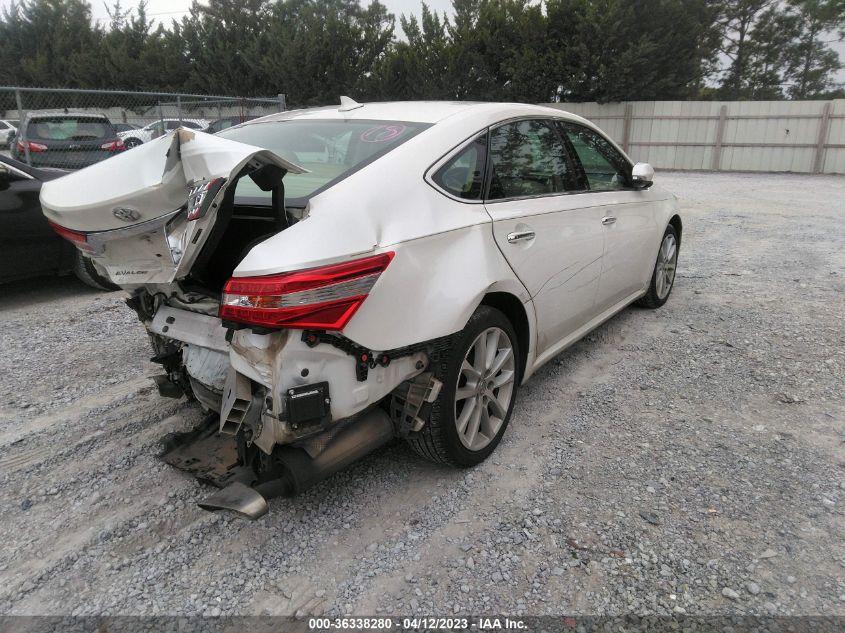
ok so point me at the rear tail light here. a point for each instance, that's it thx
(78, 239)
(113, 146)
(33, 147)
(200, 197)
(323, 298)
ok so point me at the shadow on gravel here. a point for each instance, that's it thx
(28, 292)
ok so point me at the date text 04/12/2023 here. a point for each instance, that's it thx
(479, 624)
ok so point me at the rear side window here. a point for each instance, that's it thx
(528, 158)
(329, 149)
(463, 175)
(605, 168)
(69, 129)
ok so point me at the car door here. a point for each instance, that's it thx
(549, 233)
(27, 244)
(628, 215)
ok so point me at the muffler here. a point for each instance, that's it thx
(294, 470)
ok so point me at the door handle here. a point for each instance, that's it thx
(520, 236)
(607, 221)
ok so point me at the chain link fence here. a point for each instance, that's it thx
(71, 129)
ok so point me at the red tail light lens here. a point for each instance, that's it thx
(113, 146)
(78, 239)
(200, 197)
(323, 298)
(33, 147)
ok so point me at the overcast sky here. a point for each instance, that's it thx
(166, 10)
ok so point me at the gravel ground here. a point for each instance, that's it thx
(686, 460)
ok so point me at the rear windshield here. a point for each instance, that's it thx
(330, 150)
(69, 129)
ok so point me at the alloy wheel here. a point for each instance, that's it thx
(667, 262)
(485, 388)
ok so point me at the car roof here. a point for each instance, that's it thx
(415, 111)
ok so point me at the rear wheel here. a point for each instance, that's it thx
(131, 142)
(85, 271)
(480, 375)
(663, 276)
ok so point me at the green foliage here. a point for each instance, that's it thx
(502, 50)
(780, 48)
(809, 60)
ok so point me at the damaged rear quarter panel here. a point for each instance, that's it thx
(445, 261)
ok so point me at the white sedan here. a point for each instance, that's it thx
(328, 279)
(7, 133)
(134, 138)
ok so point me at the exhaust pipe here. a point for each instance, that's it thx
(297, 471)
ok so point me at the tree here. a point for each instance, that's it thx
(765, 54)
(49, 42)
(737, 20)
(318, 50)
(809, 62)
(614, 50)
(496, 50)
(418, 68)
(223, 43)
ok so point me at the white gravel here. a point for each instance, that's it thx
(688, 460)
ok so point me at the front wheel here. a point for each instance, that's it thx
(131, 142)
(663, 277)
(480, 375)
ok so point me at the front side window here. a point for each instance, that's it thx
(528, 158)
(604, 167)
(463, 175)
(329, 149)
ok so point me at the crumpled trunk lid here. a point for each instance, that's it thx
(133, 207)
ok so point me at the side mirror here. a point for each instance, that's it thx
(642, 175)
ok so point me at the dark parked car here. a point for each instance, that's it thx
(227, 122)
(126, 127)
(28, 245)
(66, 141)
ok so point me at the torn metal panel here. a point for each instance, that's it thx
(152, 179)
(190, 327)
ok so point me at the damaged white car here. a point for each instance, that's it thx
(325, 280)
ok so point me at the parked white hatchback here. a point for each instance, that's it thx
(328, 279)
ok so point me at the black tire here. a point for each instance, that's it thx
(131, 142)
(438, 440)
(85, 271)
(652, 298)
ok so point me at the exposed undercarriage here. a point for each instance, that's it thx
(275, 426)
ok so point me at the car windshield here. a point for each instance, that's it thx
(68, 129)
(329, 149)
